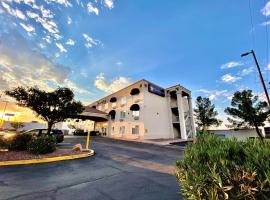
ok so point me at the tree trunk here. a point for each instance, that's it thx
(50, 124)
(259, 133)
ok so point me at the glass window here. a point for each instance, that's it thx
(122, 114)
(123, 100)
(135, 114)
(135, 130)
(122, 130)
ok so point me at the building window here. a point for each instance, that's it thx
(136, 114)
(122, 130)
(112, 114)
(267, 131)
(122, 114)
(123, 100)
(135, 130)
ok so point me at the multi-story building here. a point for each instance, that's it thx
(145, 110)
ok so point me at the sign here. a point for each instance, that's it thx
(156, 90)
(9, 114)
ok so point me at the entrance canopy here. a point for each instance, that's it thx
(92, 114)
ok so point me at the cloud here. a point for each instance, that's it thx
(25, 66)
(92, 9)
(268, 67)
(109, 3)
(28, 28)
(246, 71)
(215, 94)
(119, 63)
(61, 47)
(90, 41)
(228, 78)
(32, 14)
(69, 20)
(66, 3)
(113, 86)
(14, 12)
(266, 9)
(84, 73)
(231, 65)
(70, 42)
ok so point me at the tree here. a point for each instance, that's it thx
(16, 125)
(52, 107)
(205, 113)
(247, 111)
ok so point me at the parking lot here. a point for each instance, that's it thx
(119, 170)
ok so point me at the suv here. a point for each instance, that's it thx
(59, 135)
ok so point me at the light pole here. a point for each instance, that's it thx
(260, 74)
(2, 118)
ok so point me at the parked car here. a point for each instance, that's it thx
(59, 135)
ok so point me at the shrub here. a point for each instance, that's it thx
(42, 145)
(4, 143)
(20, 141)
(225, 169)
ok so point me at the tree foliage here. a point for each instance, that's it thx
(52, 107)
(205, 113)
(247, 111)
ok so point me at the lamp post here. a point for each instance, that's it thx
(260, 73)
(2, 118)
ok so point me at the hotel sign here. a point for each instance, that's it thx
(156, 90)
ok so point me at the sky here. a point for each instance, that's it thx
(97, 47)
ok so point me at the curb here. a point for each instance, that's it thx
(47, 160)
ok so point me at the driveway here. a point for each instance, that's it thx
(119, 170)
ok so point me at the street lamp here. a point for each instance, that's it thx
(260, 73)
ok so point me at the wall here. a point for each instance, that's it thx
(156, 117)
(240, 134)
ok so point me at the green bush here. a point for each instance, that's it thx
(42, 145)
(214, 169)
(20, 141)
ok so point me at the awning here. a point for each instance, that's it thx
(92, 114)
(113, 99)
(135, 107)
(135, 91)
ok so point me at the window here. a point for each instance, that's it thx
(122, 114)
(135, 130)
(136, 114)
(123, 100)
(122, 130)
(267, 131)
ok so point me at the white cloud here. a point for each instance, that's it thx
(265, 23)
(61, 47)
(14, 12)
(231, 65)
(268, 67)
(266, 9)
(32, 14)
(62, 2)
(92, 9)
(25, 66)
(70, 42)
(109, 3)
(246, 71)
(69, 20)
(28, 28)
(90, 41)
(119, 63)
(46, 13)
(215, 94)
(228, 78)
(84, 73)
(113, 86)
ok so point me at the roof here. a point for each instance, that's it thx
(93, 110)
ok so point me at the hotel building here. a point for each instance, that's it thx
(145, 110)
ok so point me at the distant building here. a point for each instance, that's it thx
(145, 110)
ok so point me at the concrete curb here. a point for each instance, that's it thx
(47, 160)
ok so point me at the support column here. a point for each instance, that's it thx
(181, 115)
(191, 117)
(170, 116)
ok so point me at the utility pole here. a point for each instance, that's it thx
(260, 74)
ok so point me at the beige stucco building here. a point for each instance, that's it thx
(145, 110)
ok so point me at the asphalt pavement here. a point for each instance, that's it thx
(120, 170)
